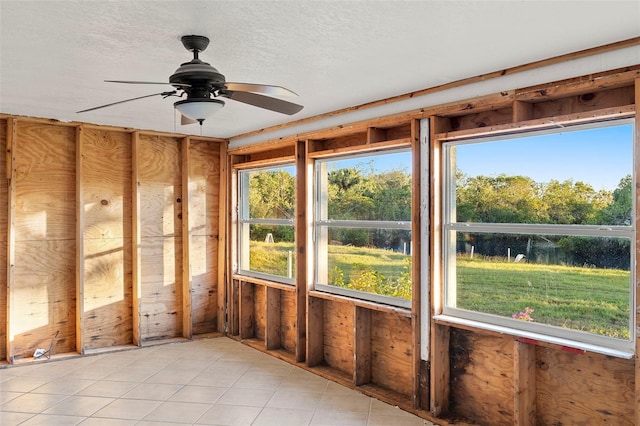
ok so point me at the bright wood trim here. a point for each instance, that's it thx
(136, 273)
(12, 139)
(187, 323)
(79, 242)
(263, 282)
(375, 146)
(269, 162)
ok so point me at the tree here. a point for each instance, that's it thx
(619, 210)
(501, 199)
(271, 194)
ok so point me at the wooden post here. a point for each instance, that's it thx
(303, 233)
(524, 383)
(439, 403)
(136, 281)
(273, 319)
(12, 139)
(362, 346)
(187, 323)
(416, 266)
(80, 267)
(315, 331)
(439, 335)
(246, 310)
(223, 262)
(522, 111)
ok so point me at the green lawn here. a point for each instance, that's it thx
(586, 299)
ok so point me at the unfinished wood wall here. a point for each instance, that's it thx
(471, 376)
(105, 232)
(95, 227)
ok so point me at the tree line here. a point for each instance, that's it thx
(520, 199)
(358, 194)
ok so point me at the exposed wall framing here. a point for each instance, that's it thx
(95, 221)
(119, 238)
(472, 375)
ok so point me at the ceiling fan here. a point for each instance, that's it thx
(203, 86)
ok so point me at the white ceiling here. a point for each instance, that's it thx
(54, 55)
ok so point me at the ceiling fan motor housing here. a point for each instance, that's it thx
(201, 78)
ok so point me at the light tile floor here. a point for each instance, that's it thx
(216, 381)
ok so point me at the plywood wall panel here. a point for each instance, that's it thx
(204, 280)
(161, 288)
(204, 188)
(159, 172)
(106, 220)
(160, 194)
(260, 311)
(203, 206)
(160, 159)
(43, 296)
(107, 292)
(45, 182)
(106, 184)
(160, 209)
(482, 377)
(44, 272)
(338, 320)
(583, 388)
(391, 352)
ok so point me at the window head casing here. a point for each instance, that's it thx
(362, 226)
(538, 234)
(266, 212)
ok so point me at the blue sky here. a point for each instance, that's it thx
(598, 156)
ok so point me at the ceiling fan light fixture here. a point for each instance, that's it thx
(198, 109)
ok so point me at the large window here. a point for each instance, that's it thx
(363, 226)
(266, 223)
(539, 233)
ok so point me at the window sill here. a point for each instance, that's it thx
(263, 282)
(361, 303)
(533, 338)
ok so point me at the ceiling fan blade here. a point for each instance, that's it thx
(165, 94)
(265, 89)
(266, 102)
(147, 82)
(184, 120)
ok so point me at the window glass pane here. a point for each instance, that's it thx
(373, 187)
(573, 282)
(566, 177)
(271, 193)
(271, 250)
(370, 260)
